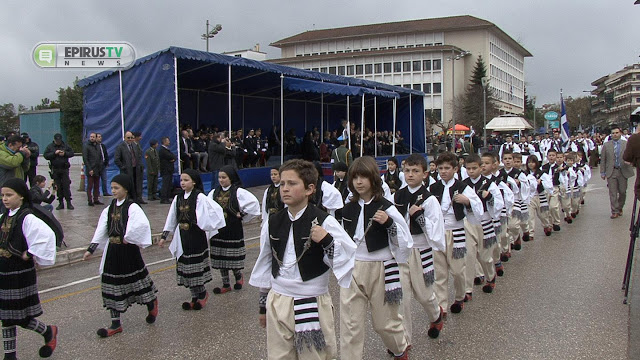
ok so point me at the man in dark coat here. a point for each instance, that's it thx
(58, 154)
(104, 155)
(153, 167)
(128, 158)
(33, 158)
(94, 166)
(167, 161)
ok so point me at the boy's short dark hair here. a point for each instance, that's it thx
(275, 167)
(507, 152)
(473, 158)
(447, 158)
(39, 179)
(517, 156)
(552, 151)
(417, 160)
(367, 167)
(393, 160)
(306, 171)
(491, 155)
(570, 156)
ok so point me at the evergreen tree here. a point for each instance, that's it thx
(70, 102)
(469, 107)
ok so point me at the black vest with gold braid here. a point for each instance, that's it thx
(393, 180)
(310, 253)
(437, 189)
(228, 201)
(481, 185)
(274, 201)
(376, 238)
(117, 219)
(12, 240)
(404, 199)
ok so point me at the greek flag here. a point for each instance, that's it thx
(564, 124)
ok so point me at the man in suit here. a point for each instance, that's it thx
(632, 155)
(94, 167)
(104, 155)
(615, 170)
(153, 167)
(128, 158)
(188, 156)
(167, 161)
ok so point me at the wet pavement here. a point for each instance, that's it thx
(560, 298)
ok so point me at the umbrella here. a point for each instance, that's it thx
(460, 127)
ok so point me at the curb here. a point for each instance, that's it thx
(72, 256)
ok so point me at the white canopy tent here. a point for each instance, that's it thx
(508, 123)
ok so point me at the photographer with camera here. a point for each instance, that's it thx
(58, 154)
(33, 158)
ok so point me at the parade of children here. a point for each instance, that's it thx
(369, 237)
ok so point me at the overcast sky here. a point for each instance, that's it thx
(572, 42)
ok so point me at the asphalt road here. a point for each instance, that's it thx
(560, 298)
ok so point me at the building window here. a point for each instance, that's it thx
(377, 68)
(341, 70)
(437, 64)
(417, 87)
(332, 70)
(407, 86)
(437, 88)
(331, 52)
(339, 51)
(409, 46)
(400, 46)
(365, 49)
(350, 70)
(426, 65)
(315, 69)
(391, 47)
(383, 48)
(397, 66)
(359, 69)
(426, 88)
(416, 65)
(387, 67)
(419, 45)
(406, 66)
(374, 49)
(323, 69)
(368, 69)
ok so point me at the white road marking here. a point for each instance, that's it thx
(73, 283)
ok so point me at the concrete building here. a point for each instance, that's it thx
(616, 95)
(420, 54)
(253, 54)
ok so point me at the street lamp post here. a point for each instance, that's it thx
(485, 82)
(210, 34)
(453, 58)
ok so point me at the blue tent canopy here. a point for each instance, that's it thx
(178, 86)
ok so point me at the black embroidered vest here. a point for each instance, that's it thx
(377, 237)
(404, 199)
(274, 201)
(393, 180)
(186, 208)
(311, 264)
(12, 239)
(228, 201)
(437, 189)
(117, 218)
(481, 185)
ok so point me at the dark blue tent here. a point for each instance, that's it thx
(178, 86)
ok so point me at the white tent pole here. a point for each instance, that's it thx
(281, 119)
(410, 127)
(175, 84)
(375, 126)
(122, 105)
(348, 124)
(393, 136)
(322, 117)
(229, 101)
(362, 127)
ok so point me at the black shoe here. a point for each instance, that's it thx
(98, 203)
(478, 280)
(60, 207)
(69, 206)
(556, 227)
(90, 203)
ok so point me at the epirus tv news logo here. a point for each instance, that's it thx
(90, 55)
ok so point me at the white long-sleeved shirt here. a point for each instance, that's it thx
(41, 240)
(493, 211)
(433, 237)
(289, 281)
(446, 205)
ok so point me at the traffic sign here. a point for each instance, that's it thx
(551, 115)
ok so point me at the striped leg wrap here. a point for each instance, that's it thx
(517, 209)
(37, 326)
(9, 339)
(426, 256)
(459, 246)
(489, 234)
(308, 332)
(392, 286)
(197, 290)
(544, 202)
(524, 212)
